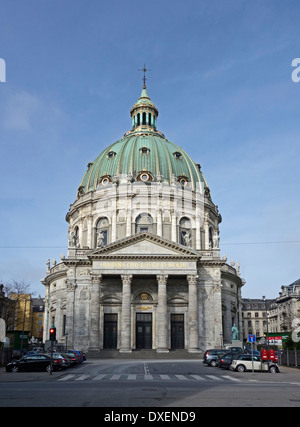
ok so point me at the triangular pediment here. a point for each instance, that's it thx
(144, 245)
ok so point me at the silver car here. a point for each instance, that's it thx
(244, 363)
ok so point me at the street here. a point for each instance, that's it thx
(151, 384)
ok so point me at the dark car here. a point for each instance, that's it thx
(36, 362)
(60, 361)
(73, 357)
(211, 356)
(226, 359)
(80, 355)
(66, 360)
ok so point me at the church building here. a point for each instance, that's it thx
(143, 268)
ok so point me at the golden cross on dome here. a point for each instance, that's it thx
(144, 78)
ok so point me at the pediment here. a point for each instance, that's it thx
(144, 245)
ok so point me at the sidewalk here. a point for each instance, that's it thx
(28, 376)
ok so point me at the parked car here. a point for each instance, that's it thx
(255, 353)
(234, 350)
(211, 356)
(244, 363)
(66, 360)
(36, 362)
(80, 355)
(74, 357)
(59, 360)
(226, 359)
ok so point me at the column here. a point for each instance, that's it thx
(89, 231)
(206, 232)
(159, 223)
(161, 315)
(126, 314)
(174, 227)
(95, 313)
(193, 325)
(70, 287)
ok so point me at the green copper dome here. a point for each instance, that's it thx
(143, 154)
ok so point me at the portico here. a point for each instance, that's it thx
(152, 290)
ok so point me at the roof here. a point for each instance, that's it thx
(143, 149)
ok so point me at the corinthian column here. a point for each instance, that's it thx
(161, 315)
(126, 314)
(193, 328)
(95, 314)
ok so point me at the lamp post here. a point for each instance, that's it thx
(266, 306)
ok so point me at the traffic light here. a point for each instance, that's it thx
(52, 333)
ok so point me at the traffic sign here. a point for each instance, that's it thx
(251, 338)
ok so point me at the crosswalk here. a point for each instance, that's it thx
(147, 377)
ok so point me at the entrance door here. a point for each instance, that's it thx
(144, 330)
(177, 331)
(110, 331)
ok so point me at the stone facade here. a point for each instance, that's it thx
(143, 268)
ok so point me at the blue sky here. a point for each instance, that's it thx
(221, 79)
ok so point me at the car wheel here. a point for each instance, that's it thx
(14, 369)
(213, 363)
(273, 369)
(49, 369)
(241, 368)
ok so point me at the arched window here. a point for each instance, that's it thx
(138, 119)
(210, 238)
(185, 233)
(143, 223)
(102, 227)
(144, 118)
(150, 119)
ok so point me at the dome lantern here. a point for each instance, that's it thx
(144, 113)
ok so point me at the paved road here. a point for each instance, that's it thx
(139, 384)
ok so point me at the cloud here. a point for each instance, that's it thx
(19, 111)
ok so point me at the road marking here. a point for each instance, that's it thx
(131, 377)
(213, 377)
(82, 378)
(165, 377)
(67, 377)
(231, 378)
(181, 377)
(198, 378)
(148, 377)
(99, 377)
(115, 377)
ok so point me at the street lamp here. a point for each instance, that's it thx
(266, 306)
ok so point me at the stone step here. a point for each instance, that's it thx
(144, 354)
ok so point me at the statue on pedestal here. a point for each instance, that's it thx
(235, 333)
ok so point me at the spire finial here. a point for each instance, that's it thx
(144, 78)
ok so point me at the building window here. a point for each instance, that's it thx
(144, 118)
(185, 234)
(111, 154)
(143, 223)
(177, 155)
(102, 232)
(144, 150)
